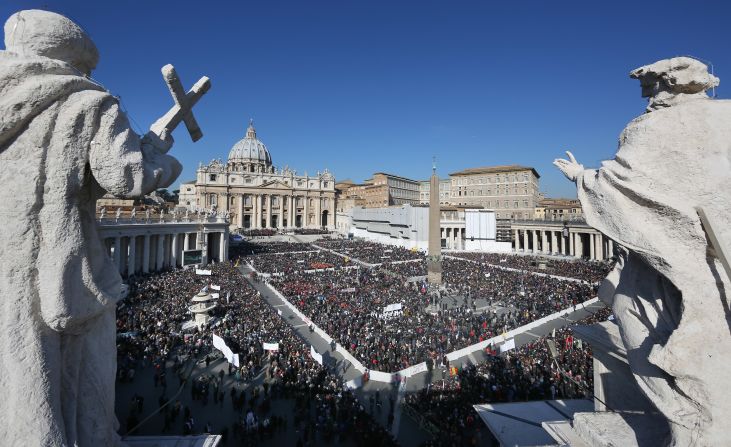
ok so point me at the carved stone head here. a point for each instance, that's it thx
(670, 81)
(43, 33)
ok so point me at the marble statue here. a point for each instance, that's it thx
(133, 215)
(64, 142)
(102, 212)
(147, 215)
(118, 214)
(670, 295)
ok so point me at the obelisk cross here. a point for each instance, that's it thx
(184, 102)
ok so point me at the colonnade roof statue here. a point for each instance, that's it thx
(64, 142)
(670, 294)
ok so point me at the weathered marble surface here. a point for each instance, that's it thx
(63, 142)
(670, 296)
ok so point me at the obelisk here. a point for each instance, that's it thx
(434, 260)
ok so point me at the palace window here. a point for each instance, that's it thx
(247, 200)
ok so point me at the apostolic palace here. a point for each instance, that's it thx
(258, 195)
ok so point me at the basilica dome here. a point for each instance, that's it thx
(249, 151)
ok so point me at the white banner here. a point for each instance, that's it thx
(271, 346)
(203, 272)
(236, 360)
(392, 308)
(215, 287)
(215, 296)
(315, 355)
(508, 345)
(219, 344)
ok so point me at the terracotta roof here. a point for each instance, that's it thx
(496, 170)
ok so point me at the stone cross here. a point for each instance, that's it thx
(183, 108)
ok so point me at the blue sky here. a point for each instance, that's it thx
(365, 86)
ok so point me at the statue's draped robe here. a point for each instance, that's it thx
(63, 142)
(673, 299)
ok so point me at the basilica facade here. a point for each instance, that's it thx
(258, 195)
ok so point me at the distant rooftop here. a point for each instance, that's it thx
(496, 170)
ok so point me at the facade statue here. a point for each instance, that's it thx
(147, 215)
(133, 215)
(102, 212)
(64, 142)
(118, 214)
(669, 293)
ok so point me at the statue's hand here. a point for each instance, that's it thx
(570, 168)
(162, 142)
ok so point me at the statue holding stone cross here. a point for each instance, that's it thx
(65, 142)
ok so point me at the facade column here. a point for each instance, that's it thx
(160, 251)
(535, 241)
(146, 254)
(318, 212)
(306, 217)
(118, 253)
(292, 211)
(174, 250)
(132, 255)
(281, 212)
(186, 242)
(241, 211)
(592, 248)
(517, 240)
(269, 211)
(610, 248)
(255, 210)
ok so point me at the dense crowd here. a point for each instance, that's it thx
(258, 232)
(349, 306)
(370, 252)
(149, 334)
(593, 271)
(290, 262)
(528, 373)
(311, 231)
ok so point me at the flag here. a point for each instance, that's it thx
(453, 371)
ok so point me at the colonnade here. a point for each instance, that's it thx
(578, 242)
(454, 236)
(148, 247)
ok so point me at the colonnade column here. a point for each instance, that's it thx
(132, 255)
(146, 254)
(174, 250)
(563, 242)
(525, 241)
(517, 240)
(544, 242)
(535, 241)
(118, 253)
(160, 251)
(572, 245)
(186, 242)
(599, 247)
(554, 242)
(610, 248)
(222, 247)
(592, 247)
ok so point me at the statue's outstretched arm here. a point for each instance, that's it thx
(126, 165)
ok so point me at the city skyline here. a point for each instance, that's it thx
(362, 88)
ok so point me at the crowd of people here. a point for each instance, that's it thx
(349, 306)
(149, 325)
(369, 252)
(592, 271)
(290, 262)
(526, 374)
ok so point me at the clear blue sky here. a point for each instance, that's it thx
(365, 86)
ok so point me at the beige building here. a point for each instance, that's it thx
(258, 195)
(445, 186)
(512, 190)
(380, 190)
(558, 209)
